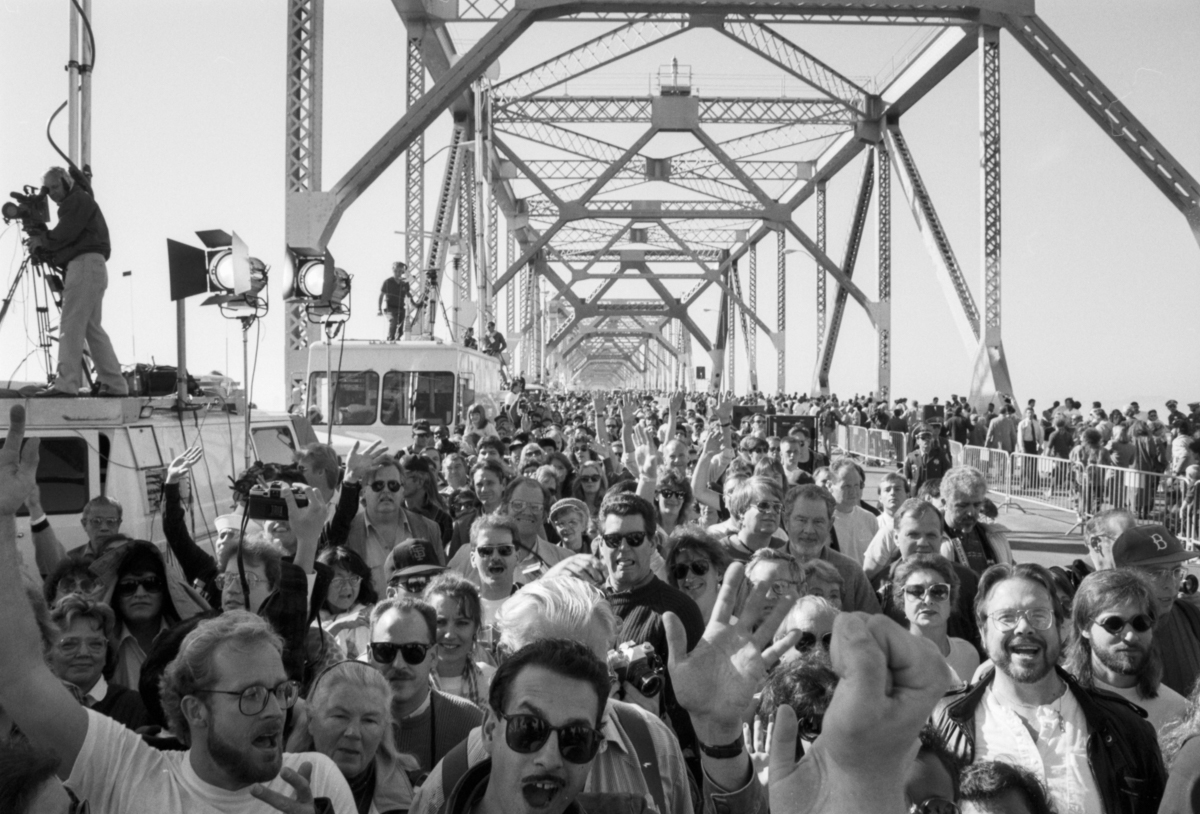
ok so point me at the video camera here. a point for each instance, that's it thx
(638, 665)
(266, 502)
(31, 208)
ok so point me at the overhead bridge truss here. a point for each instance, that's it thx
(598, 250)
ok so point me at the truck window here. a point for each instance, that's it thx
(273, 444)
(466, 391)
(410, 395)
(62, 475)
(356, 397)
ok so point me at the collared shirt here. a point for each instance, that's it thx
(1058, 757)
(376, 549)
(97, 693)
(130, 658)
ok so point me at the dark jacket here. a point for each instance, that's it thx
(1122, 746)
(81, 229)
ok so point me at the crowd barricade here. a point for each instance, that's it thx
(995, 464)
(1153, 497)
(1048, 481)
(856, 442)
(872, 446)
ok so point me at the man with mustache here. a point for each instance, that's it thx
(1113, 618)
(1094, 752)
(429, 723)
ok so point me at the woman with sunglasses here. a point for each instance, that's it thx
(673, 500)
(695, 564)
(459, 669)
(590, 486)
(142, 603)
(348, 718)
(348, 602)
(927, 588)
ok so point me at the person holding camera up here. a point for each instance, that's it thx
(79, 246)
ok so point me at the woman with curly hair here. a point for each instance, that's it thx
(926, 587)
(349, 600)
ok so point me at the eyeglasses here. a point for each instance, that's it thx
(768, 507)
(808, 640)
(938, 592)
(589, 478)
(934, 805)
(391, 485)
(128, 587)
(412, 652)
(81, 585)
(523, 506)
(253, 700)
(672, 494)
(413, 585)
(94, 647)
(1116, 625)
(697, 567)
(1164, 575)
(487, 551)
(781, 587)
(525, 734)
(337, 583)
(230, 580)
(756, 448)
(1038, 618)
(633, 539)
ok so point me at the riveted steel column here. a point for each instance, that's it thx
(414, 182)
(883, 318)
(820, 271)
(731, 334)
(780, 312)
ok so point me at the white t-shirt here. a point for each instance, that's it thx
(1166, 708)
(855, 530)
(117, 771)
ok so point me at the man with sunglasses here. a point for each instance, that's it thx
(428, 722)
(1157, 553)
(1113, 618)
(541, 734)
(1093, 751)
(410, 567)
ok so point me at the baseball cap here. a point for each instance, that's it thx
(413, 558)
(1149, 545)
(421, 427)
(569, 503)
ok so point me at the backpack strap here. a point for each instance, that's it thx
(643, 746)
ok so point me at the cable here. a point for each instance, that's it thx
(87, 24)
(84, 68)
(50, 138)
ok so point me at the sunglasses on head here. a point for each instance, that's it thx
(525, 734)
(697, 567)
(633, 539)
(129, 586)
(411, 652)
(391, 486)
(808, 640)
(1116, 624)
(937, 593)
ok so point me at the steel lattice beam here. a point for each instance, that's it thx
(626, 109)
(883, 324)
(781, 312)
(414, 165)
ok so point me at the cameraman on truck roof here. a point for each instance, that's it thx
(79, 246)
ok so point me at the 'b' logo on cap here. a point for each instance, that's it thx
(1160, 542)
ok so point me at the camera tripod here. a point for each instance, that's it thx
(47, 289)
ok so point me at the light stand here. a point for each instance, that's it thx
(331, 314)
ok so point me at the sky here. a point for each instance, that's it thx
(1101, 284)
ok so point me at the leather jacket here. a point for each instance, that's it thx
(1122, 746)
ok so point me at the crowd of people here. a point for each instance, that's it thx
(599, 602)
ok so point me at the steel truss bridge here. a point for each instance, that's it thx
(538, 224)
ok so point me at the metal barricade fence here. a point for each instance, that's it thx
(856, 442)
(1153, 497)
(1048, 481)
(1189, 513)
(995, 465)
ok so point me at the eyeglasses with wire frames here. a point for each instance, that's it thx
(230, 580)
(525, 734)
(1007, 619)
(337, 583)
(1165, 576)
(253, 700)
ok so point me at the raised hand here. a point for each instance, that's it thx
(182, 464)
(300, 803)
(358, 464)
(716, 682)
(18, 467)
(889, 683)
(306, 521)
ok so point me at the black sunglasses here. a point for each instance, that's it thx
(589, 478)
(697, 567)
(413, 652)
(525, 734)
(672, 494)
(128, 587)
(633, 539)
(414, 585)
(756, 448)
(1115, 624)
(808, 640)
(503, 550)
(391, 485)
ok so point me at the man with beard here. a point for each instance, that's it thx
(963, 492)
(1156, 552)
(552, 687)
(1112, 628)
(1094, 752)
(428, 723)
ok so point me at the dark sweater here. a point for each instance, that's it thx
(641, 611)
(124, 706)
(81, 229)
(453, 719)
